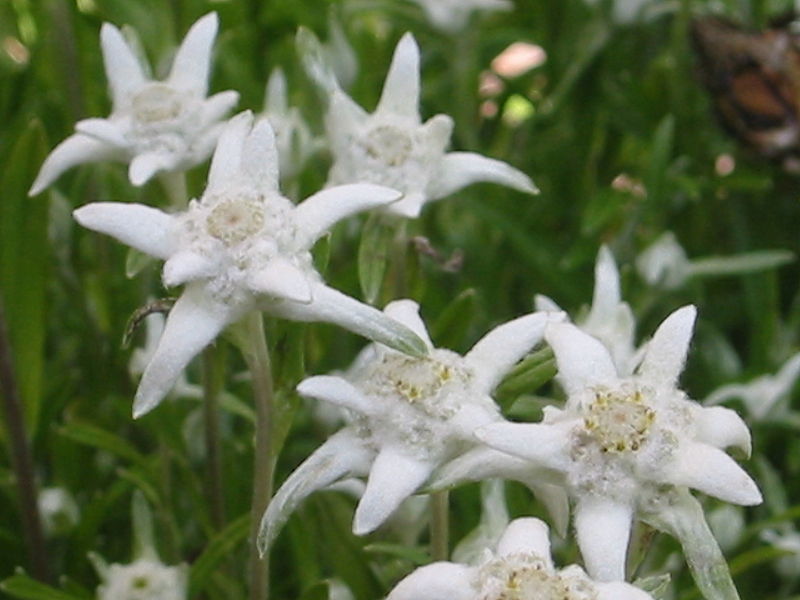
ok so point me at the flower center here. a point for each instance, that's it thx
(528, 577)
(388, 144)
(619, 421)
(235, 220)
(156, 103)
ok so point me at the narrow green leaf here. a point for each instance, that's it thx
(660, 153)
(90, 435)
(740, 264)
(450, 329)
(217, 550)
(373, 253)
(24, 263)
(413, 554)
(655, 585)
(23, 587)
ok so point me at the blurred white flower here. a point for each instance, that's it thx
(292, 135)
(789, 540)
(411, 415)
(727, 524)
(626, 12)
(392, 146)
(493, 522)
(58, 510)
(609, 319)
(453, 16)
(154, 125)
(519, 569)
(621, 439)
(763, 396)
(146, 578)
(664, 263)
(242, 247)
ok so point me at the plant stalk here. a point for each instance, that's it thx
(22, 459)
(440, 525)
(212, 381)
(257, 357)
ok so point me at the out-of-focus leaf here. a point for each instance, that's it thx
(373, 255)
(89, 435)
(660, 153)
(449, 330)
(655, 585)
(23, 587)
(413, 554)
(740, 264)
(24, 262)
(217, 551)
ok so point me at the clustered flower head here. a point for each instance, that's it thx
(392, 146)
(242, 246)
(452, 16)
(155, 126)
(520, 568)
(410, 416)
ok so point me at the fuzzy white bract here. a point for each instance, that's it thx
(620, 439)
(410, 416)
(241, 247)
(392, 146)
(519, 569)
(143, 579)
(155, 126)
(453, 16)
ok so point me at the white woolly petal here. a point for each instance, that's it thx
(583, 361)
(500, 349)
(788, 374)
(342, 456)
(711, 471)
(460, 169)
(546, 445)
(104, 130)
(332, 306)
(319, 212)
(144, 166)
(192, 324)
(437, 132)
(260, 157)
(123, 69)
(228, 155)
(281, 279)
(394, 476)
(142, 227)
(526, 535)
(666, 352)
(607, 294)
(193, 59)
(217, 106)
(722, 427)
(343, 117)
(275, 95)
(545, 304)
(407, 312)
(74, 150)
(603, 528)
(336, 390)
(618, 590)
(409, 206)
(437, 581)
(401, 89)
(186, 266)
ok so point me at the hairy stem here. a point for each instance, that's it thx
(21, 459)
(212, 381)
(257, 357)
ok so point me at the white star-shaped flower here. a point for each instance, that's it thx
(452, 16)
(610, 319)
(392, 146)
(621, 439)
(154, 125)
(762, 394)
(241, 247)
(411, 415)
(519, 569)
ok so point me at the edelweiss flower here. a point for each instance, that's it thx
(392, 146)
(762, 394)
(610, 319)
(452, 16)
(157, 126)
(412, 414)
(520, 569)
(242, 247)
(621, 439)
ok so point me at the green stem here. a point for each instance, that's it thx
(212, 380)
(174, 184)
(21, 459)
(257, 357)
(440, 525)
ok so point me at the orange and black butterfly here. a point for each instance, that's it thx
(754, 80)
